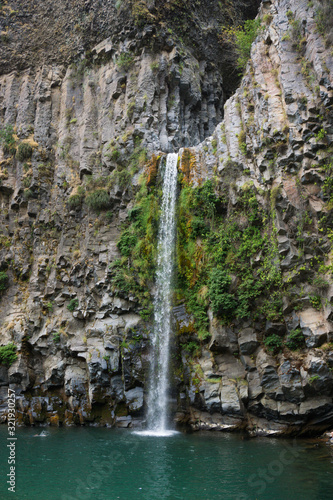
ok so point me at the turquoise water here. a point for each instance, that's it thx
(91, 463)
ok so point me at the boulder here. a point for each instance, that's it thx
(134, 399)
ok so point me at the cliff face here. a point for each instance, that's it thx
(81, 153)
(270, 358)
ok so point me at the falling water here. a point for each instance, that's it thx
(159, 369)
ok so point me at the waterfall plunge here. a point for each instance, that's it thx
(159, 369)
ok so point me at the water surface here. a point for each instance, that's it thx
(104, 464)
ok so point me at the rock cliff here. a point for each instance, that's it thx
(86, 122)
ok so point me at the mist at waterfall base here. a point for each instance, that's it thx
(157, 415)
(109, 464)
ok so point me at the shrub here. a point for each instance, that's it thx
(130, 109)
(223, 303)
(192, 348)
(141, 14)
(126, 243)
(155, 66)
(24, 151)
(324, 20)
(56, 337)
(146, 313)
(273, 343)
(295, 340)
(28, 194)
(199, 227)
(8, 354)
(315, 301)
(114, 155)
(98, 200)
(72, 305)
(3, 280)
(125, 61)
(320, 283)
(75, 201)
(49, 306)
(7, 140)
(244, 39)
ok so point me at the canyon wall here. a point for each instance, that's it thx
(84, 141)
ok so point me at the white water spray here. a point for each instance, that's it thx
(159, 369)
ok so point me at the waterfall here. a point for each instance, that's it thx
(159, 368)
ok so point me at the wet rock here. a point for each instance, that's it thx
(269, 379)
(134, 399)
(290, 380)
(229, 398)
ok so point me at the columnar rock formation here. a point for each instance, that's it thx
(93, 127)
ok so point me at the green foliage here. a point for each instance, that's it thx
(147, 313)
(315, 301)
(98, 200)
(295, 340)
(3, 281)
(324, 21)
(7, 140)
(127, 242)
(211, 247)
(56, 337)
(320, 136)
(28, 194)
(72, 305)
(24, 151)
(114, 155)
(155, 66)
(8, 354)
(193, 348)
(49, 306)
(130, 109)
(135, 272)
(223, 303)
(125, 61)
(273, 343)
(313, 378)
(244, 39)
(75, 200)
(320, 283)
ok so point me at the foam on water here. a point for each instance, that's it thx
(161, 433)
